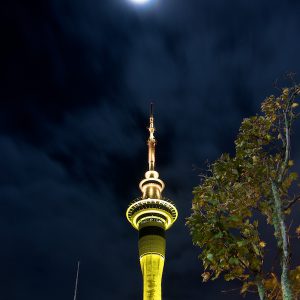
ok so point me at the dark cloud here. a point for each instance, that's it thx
(76, 83)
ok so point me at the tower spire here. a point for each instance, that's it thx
(151, 141)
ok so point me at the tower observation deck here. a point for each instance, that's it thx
(152, 215)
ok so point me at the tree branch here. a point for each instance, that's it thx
(287, 149)
(291, 203)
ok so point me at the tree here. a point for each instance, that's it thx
(239, 191)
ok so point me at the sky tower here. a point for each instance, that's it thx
(152, 215)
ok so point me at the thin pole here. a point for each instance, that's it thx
(76, 282)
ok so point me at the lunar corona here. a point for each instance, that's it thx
(140, 1)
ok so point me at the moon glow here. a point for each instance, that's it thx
(140, 1)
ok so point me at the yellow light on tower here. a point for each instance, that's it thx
(152, 215)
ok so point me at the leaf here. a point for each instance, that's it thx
(298, 232)
(256, 249)
(271, 283)
(235, 171)
(285, 92)
(262, 244)
(288, 211)
(242, 243)
(234, 261)
(295, 104)
(246, 286)
(218, 235)
(210, 256)
(206, 276)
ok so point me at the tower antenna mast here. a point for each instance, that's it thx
(151, 109)
(151, 141)
(76, 282)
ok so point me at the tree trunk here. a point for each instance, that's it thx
(260, 289)
(282, 240)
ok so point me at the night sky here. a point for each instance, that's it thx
(77, 78)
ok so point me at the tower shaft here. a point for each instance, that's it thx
(152, 269)
(152, 249)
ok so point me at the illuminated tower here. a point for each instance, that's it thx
(152, 215)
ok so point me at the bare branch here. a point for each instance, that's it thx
(287, 149)
(292, 202)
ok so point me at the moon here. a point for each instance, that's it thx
(140, 1)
